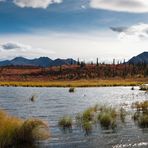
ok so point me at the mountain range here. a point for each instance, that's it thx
(141, 58)
(42, 62)
(47, 62)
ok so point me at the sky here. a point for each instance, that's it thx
(85, 29)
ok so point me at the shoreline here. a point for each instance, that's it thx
(76, 83)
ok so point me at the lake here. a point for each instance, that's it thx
(52, 103)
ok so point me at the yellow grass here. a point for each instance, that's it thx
(77, 83)
(15, 131)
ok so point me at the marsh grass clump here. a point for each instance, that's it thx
(87, 115)
(32, 130)
(72, 89)
(65, 122)
(141, 119)
(105, 120)
(107, 117)
(141, 106)
(87, 127)
(141, 114)
(9, 127)
(15, 131)
(123, 114)
(144, 87)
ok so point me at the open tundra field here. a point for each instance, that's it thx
(74, 75)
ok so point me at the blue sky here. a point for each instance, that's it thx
(73, 28)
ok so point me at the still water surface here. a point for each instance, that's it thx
(52, 103)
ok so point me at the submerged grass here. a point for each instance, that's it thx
(15, 131)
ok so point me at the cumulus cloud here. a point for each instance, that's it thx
(14, 49)
(35, 3)
(133, 6)
(135, 32)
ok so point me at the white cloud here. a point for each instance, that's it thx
(35, 3)
(135, 32)
(15, 49)
(133, 6)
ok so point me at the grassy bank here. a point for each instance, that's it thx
(77, 83)
(15, 131)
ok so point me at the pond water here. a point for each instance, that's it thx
(52, 103)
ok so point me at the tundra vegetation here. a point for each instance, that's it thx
(75, 75)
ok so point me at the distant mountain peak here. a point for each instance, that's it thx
(18, 58)
(141, 58)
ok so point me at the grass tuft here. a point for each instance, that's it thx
(65, 122)
(87, 127)
(107, 117)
